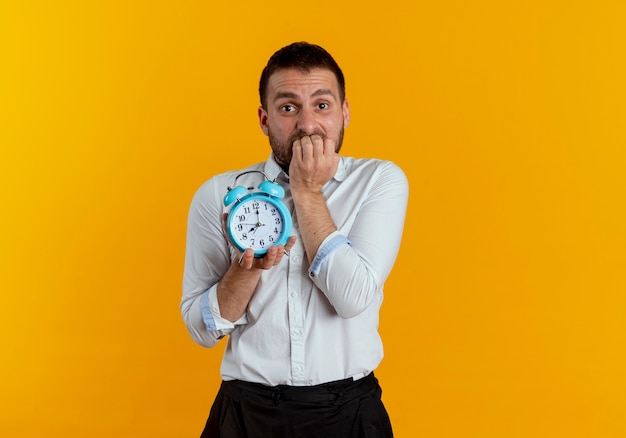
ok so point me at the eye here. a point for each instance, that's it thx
(287, 108)
(323, 105)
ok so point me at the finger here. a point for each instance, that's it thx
(318, 144)
(290, 243)
(307, 148)
(224, 216)
(280, 251)
(283, 250)
(296, 150)
(268, 261)
(330, 146)
(246, 260)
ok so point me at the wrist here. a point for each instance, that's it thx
(306, 192)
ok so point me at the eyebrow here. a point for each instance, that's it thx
(324, 92)
(290, 95)
(285, 94)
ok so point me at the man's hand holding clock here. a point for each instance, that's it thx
(236, 287)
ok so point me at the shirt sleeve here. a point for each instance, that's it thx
(212, 316)
(332, 242)
(352, 269)
(207, 258)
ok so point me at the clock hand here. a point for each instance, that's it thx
(258, 224)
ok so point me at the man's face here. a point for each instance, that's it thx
(302, 104)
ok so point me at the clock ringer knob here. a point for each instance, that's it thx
(272, 189)
(234, 194)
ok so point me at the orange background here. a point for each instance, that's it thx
(506, 313)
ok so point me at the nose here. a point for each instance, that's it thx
(306, 121)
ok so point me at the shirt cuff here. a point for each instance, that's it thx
(331, 243)
(211, 313)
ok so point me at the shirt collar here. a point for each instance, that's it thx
(274, 171)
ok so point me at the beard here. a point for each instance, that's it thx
(283, 149)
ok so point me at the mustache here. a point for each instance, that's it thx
(299, 134)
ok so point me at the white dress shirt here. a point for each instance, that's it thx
(306, 324)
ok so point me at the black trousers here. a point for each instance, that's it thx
(343, 409)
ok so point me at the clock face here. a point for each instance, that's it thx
(258, 222)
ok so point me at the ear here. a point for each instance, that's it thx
(263, 121)
(346, 113)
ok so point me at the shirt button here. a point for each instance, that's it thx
(296, 259)
(293, 294)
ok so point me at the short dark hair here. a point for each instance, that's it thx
(302, 56)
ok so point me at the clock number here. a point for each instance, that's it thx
(246, 210)
(242, 218)
(277, 221)
(244, 236)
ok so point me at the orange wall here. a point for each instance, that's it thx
(506, 313)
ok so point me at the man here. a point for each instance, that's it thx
(302, 321)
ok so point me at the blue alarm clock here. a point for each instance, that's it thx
(257, 219)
